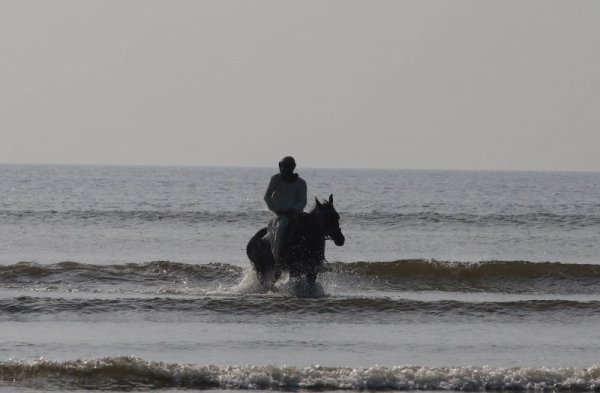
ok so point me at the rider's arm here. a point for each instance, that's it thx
(269, 194)
(300, 196)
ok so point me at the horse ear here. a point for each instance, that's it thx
(331, 198)
(318, 203)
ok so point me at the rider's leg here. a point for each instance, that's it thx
(279, 236)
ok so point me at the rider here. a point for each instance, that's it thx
(286, 197)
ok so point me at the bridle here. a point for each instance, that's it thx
(321, 223)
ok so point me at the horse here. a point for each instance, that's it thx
(304, 251)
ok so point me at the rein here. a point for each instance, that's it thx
(320, 219)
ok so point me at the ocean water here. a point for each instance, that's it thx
(136, 278)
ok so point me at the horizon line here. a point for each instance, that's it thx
(303, 167)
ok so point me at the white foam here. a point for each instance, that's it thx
(134, 370)
(250, 284)
(301, 288)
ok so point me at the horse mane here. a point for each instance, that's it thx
(307, 217)
(324, 203)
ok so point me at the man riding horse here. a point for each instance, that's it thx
(294, 241)
(286, 197)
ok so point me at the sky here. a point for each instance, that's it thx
(414, 84)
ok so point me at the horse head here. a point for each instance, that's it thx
(330, 221)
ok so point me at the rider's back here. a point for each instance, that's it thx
(286, 195)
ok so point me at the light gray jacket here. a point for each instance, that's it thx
(282, 195)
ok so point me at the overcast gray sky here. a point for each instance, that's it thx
(379, 84)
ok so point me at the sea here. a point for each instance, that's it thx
(135, 278)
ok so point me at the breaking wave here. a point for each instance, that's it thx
(148, 273)
(486, 269)
(402, 275)
(135, 373)
(485, 276)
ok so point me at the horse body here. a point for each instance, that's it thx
(304, 252)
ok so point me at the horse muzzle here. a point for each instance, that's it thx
(338, 237)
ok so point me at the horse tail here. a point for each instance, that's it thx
(253, 249)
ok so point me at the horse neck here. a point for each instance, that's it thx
(312, 224)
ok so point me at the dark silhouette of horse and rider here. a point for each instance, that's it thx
(293, 241)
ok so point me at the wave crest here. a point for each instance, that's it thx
(404, 275)
(128, 372)
(483, 269)
(149, 272)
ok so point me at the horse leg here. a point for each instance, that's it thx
(311, 274)
(270, 277)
